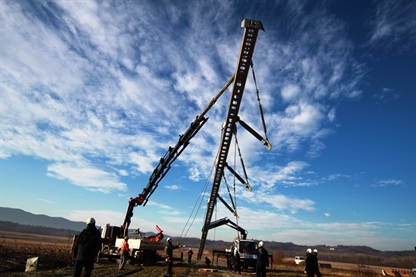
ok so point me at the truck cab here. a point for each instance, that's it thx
(109, 235)
(247, 249)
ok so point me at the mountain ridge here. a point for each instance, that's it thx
(26, 218)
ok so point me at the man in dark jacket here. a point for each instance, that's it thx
(310, 263)
(315, 261)
(169, 255)
(262, 260)
(86, 247)
(190, 253)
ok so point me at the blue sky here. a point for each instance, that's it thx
(94, 93)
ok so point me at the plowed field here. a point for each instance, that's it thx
(55, 260)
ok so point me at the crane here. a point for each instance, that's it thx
(147, 246)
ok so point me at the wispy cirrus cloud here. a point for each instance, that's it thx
(388, 182)
(385, 96)
(394, 26)
(96, 93)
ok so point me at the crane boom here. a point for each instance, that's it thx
(170, 156)
(246, 52)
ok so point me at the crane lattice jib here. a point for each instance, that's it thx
(251, 30)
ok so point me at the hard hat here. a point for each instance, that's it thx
(169, 239)
(315, 251)
(90, 220)
(261, 243)
(309, 250)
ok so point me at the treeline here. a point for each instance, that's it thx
(354, 254)
(38, 230)
(387, 259)
(395, 259)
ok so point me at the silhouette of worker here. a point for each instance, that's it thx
(207, 261)
(169, 255)
(86, 247)
(262, 260)
(190, 253)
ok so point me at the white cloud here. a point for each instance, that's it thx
(89, 178)
(173, 187)
(290, 92)
(282, 202)
(388, 182)
(267, 179)
(91, 92)
(332, 115)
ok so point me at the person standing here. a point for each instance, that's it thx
(237, 266)
(310, 264)
(86, 247)
(190, 253)
(262, 260)
(315, 261)
(169, 255)
(125, 253)
(207, 261)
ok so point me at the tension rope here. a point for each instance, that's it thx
(258, 100)
(197, 205)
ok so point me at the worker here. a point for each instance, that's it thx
(262, 260)
(190, 253)
(315, 261)
(310, 265)
(86, 247)
(237, 266)
(169, 255)
(124, 252)
(207, 261)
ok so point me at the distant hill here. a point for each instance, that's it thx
(22, 217)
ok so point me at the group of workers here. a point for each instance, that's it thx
(311, 263)
(88, 244)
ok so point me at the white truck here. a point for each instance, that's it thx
(299, 260)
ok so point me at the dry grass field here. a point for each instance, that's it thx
(55, 260)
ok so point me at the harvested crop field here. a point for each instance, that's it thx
(55, 260)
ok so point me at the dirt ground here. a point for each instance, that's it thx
(110, 268)
(55, 260)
